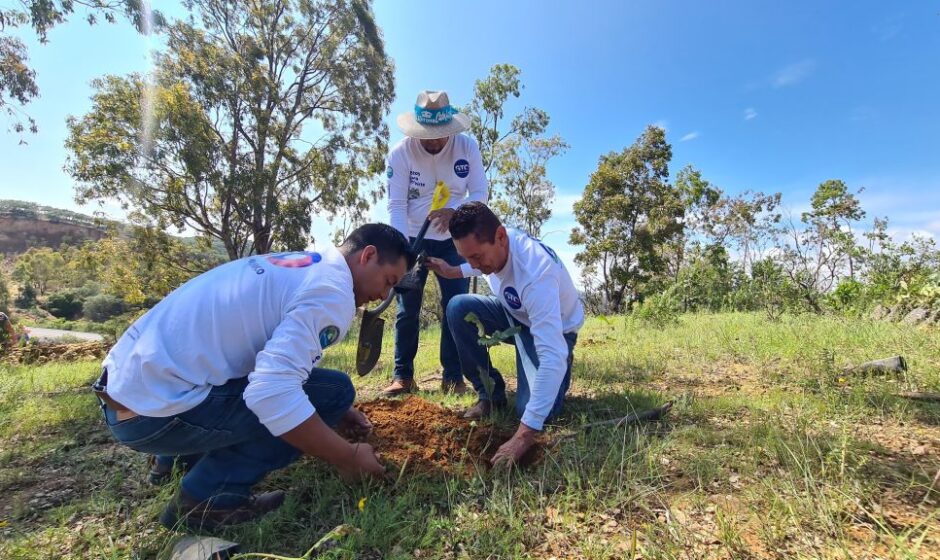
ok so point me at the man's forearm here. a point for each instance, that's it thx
(525, 432)
(314, 437)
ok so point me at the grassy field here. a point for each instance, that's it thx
(770, 451)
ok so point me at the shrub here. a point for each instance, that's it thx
(65, 305)
(26, 299)
(102, 307)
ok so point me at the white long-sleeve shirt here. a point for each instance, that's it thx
(536, 289)
(413, 175)
(268, 317)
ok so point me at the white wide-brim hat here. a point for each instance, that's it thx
(433, 117)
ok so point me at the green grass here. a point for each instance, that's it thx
(770, 451)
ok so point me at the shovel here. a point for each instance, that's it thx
(373, 326)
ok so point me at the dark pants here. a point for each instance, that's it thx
(237, 450)
(474, 357)
(409, 308)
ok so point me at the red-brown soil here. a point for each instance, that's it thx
(420, 436)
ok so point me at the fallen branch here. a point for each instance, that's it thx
(634, 418)
(918, 396)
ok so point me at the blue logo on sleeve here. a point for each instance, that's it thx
(512, 297)
(389, 171)
(328, 336)
(299, 259)
(462, 168)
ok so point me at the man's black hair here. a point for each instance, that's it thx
(476, 218)
(389, 242)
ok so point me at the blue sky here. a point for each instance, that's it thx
(759, 95)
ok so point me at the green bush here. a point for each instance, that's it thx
(64, 305)
(922, 291)
(102, 307)
(849, 295)
(706, 283)
(659, 309)
(26, 299)
(4, 295)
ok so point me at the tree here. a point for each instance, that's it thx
(487, 113)
(526, 196)
(17, 79)
(698, 196)
(823, 249)
(142, 266)
(224, 152)
(627, 214)
(834, 209)
(745, 224)
(515, 151)
(40, 268)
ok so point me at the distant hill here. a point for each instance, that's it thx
(26, 224)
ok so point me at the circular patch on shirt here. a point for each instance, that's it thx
(462, 168)
(298, 259)
(512, 297)
(389, 171)
(328, 336)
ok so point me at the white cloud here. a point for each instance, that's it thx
(690, 136)
(749, 113)
(793, 74)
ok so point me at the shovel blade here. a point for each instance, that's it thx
(370, 343)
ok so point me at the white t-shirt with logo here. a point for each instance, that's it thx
(413, 175)
(268, 317)
(536, 289)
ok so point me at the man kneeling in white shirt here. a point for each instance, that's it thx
(533, 291)
(223, 371)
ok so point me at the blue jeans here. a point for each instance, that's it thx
(237, 450)
(474, 357)
(409, 307)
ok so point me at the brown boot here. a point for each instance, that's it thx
(454, 387)
(481, 409)
(400, 387)
(184, 511)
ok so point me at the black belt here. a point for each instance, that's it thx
(100, 388)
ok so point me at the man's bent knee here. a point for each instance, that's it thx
(458, 306)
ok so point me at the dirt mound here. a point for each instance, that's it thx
(42, 353)
(431, 438)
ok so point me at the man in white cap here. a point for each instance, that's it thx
(433, 152)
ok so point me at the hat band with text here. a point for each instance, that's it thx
(434, 116)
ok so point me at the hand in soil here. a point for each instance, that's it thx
(512, 451)
(363, 463)
(354, 425)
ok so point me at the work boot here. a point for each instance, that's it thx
(400, 386)
(482, 409)
(453, 387)
(183, 511)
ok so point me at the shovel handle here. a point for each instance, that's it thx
(382, 306)
(391, 294)
(421, 233)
